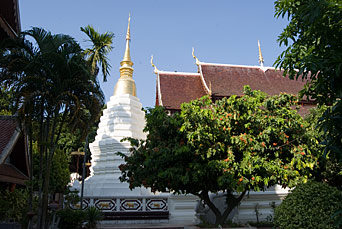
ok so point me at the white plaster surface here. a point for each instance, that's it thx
(122, 118)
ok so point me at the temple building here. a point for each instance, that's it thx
(225, 80)
(222, 80)
(14, 160)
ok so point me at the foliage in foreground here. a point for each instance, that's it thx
(92, 217)
(13, 205)
(53, 88)
(60, 173)
(233, 145)
(310, 205)
(330, 168)
(314, 50)
(70, 219)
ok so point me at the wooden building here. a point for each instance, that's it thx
(14, 169)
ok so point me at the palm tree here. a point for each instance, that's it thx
(53, 86)
(97, 54)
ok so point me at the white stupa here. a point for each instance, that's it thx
(122, 118)
(103, 189)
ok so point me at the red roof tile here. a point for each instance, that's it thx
(224, 81)
(177, 88)
(227, 80)
(8, 125)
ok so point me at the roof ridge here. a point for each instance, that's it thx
(238, 65)
(8, 117)
(178, 73)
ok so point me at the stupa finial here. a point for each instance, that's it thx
(127, 56)
(126, 84)
(128, 34)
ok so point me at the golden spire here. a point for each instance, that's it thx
(127, 56)
(261, 59)
(126, 84)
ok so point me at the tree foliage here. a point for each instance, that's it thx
(314, 50)
(330, 169)
(60, 174)
(13, 205)
(233, 145)
(6, 101)
(53, 88)
(97, 54)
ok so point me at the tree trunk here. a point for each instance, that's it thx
(30, 200)
(40, 178)
(46, 174)
(52, 142)
(232, 202)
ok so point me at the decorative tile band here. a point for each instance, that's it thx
(129, 204)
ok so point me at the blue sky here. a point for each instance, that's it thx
(221, 31)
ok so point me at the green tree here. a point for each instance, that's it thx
(6, 101)
(97, 54)
(314, 50)
(330, 169)
(53, 88)
(60, 174)
(232, 145)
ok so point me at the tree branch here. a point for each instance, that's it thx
(204, 195)
(234, 203)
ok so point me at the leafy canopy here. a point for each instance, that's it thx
(233, 145)
(53, 87)
(97, 54)
(314, 50)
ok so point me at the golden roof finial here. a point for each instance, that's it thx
(126, 84)
(261, 59)
(193, 55)
(153, 65)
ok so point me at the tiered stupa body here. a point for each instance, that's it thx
(122, 118)
(103, 189)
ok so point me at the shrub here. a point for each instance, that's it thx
(70, 219)
(92, 217)
(310, 205)
(13, 205)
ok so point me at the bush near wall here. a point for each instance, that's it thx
(310, 205)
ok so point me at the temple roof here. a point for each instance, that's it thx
(10, 174)
(220, 80)
(227, 80)
(8, 134)
(177, 88)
